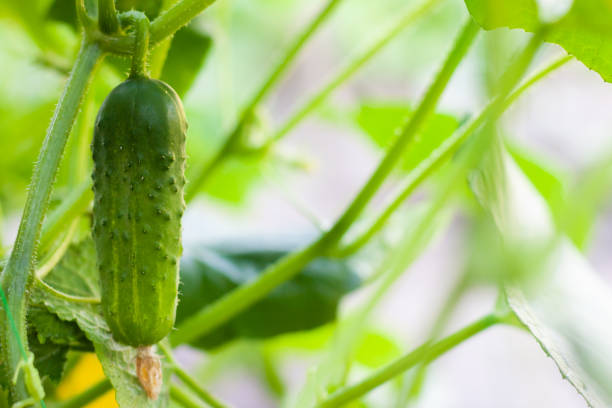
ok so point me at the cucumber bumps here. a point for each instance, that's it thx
(138, 180)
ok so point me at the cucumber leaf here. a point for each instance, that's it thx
(76, 274)
(305, 302)
(585, 31)
(562, 302)
(185, 59)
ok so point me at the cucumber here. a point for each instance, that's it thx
(138, 181)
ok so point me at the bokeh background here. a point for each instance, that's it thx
(315, 171)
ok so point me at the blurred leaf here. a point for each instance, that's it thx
(185, 58)
(65, 11)
(585, 31)
(307, 301)
(376, 349)
(381, 121)
(564, 305)
(310, 340)
(567, 312)
(234, 179)
(76, 274)
(547, 180)
(587, 197)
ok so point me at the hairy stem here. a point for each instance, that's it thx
(228, 306)
(425, 353)
(166, 24)
(16, 275)
(206, 171)
(107, 16)
(141, 47)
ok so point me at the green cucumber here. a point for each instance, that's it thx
(138, 181)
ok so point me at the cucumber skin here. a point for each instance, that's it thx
(138, 181)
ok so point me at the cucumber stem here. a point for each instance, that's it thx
(141, 46)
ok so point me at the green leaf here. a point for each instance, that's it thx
(185, 59)
(48, 328)
(76, 274)
(548, 180)
(381, 120)
(563, 303)
(585, 31)
(49, 358)
(307, 301)
(589, 194)
(376, 349)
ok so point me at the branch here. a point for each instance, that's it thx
(424, 353)
(439, 156)
(15, 276)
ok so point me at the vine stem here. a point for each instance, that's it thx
(203, 173)
(424, 353)
(228, 306)
(141, 45)
(107, 16)
(91, 394)
(166, 24)
(188, 380)
(182, 397)
(439, 155)
(17, 272)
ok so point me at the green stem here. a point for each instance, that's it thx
(230, 305)
(220, 311)
(188, 380)
(107, 16)
(15, 276)
(166, 24)
(353, 67)
(420, 116)
(182, 397)
(141, 47)
(206, 171)
(439, 156)
(424, 353)
(89, 395)
(413, 385)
